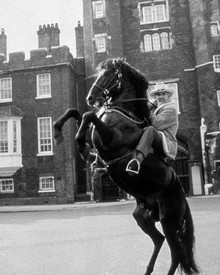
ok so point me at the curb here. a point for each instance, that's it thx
(61, 207)
(79, 205)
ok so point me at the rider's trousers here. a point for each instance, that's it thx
(151, 138)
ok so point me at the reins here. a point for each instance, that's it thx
(129, 115)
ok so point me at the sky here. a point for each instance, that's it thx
(21, 20)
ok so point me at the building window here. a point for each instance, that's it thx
(100, 42)
(46, 184)
(218, 97)
(214, 28)
(6, 89)
(43, 85)
(45, 145)
(157, 41)
(98, 9)
(173, 86)
(153, 12)
(6, 186)
(164, 41)
(4, 137)
(216, 63)
(148, 43)
(10, 137)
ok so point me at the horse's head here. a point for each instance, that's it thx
(118, 82)
(107, 84)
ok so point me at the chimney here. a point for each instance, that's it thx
(79, 40)
(48, 36)
(3, 43)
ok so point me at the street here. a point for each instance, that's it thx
(100, 240)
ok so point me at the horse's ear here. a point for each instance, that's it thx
(123, 59)
(117, 62)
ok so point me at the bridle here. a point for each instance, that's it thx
(114, 81)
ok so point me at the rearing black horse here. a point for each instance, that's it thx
(120, 90)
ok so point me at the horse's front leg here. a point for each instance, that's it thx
(105, 132)
(58, 124)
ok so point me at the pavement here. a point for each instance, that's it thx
(77, 205)
(60, 207)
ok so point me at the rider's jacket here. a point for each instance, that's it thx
(165, 119)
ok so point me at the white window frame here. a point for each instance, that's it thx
(214, 28)
(164, 40)
(218, 97)
(157, 41)
(98, 8)
(47, 136)
(216, 63)
(149, 12)
(44, 181)
(13, 136)
(148, 46)
(9, 185)
(6, 89)
(174, 87)
(148, 15)
(101, 42)
(43, 86)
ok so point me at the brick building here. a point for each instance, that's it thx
(178, 42)
(175, 41)
(33, 93)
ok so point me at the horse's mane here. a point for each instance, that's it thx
(136, 77)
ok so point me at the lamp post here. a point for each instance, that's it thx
(203, 130)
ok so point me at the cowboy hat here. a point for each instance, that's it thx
(161, 87)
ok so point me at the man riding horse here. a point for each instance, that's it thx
(162, 134)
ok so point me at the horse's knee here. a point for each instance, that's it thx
(88, 116)
(140, 215)
(137, 213)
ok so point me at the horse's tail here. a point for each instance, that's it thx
(187, 261)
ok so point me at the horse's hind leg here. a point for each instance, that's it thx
(170, 230)
(144, 221)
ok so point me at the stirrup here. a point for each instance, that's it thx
(131, 171)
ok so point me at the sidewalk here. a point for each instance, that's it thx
(61, 207)
(77, 205)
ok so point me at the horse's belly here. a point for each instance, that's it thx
(152, 179)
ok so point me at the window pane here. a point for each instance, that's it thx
(216, 60)
(147, 14)
(159, 13)
(101, 44)
(173, 86)
(98, 9)
(46, 184)
(147, 43)
(218, 97)
(156, 41)
(6, 185)
(14, 137)
(214, 30)
(5, 89)
(164, 40)
(45, 135)
(3, 137)
(43, 85)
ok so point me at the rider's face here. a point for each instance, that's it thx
(162, 98)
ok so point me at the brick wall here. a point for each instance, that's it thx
(64, 88)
